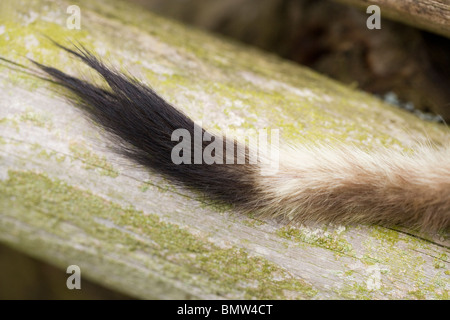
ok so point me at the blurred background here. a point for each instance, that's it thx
(404, 65)
(23, 277)
(407, 66)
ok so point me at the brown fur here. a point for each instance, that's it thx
(350, 186)
(321, 184)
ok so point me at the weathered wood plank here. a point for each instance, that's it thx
(430, 15)
(66, 199)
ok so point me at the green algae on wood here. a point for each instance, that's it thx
(265, 84)
(226, 271)
(133, 230)
(92, 161)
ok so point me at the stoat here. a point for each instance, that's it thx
(341, 185)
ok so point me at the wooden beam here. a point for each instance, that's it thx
(430, 15)
(65, 198)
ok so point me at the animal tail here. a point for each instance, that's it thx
(324, 184)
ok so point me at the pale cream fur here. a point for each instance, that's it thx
(347, 185)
